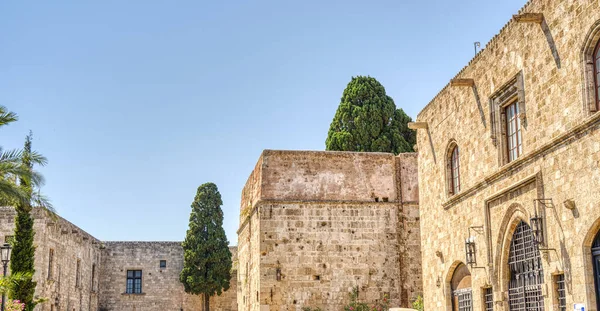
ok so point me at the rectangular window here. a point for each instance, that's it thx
(77, 274)
(464, 299)
(488, 299)
(134, 282)
(514, 141)
(51, 264)
(561, 299)
(163, 264)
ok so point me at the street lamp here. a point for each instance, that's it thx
(5, 257)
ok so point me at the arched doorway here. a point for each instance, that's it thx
(462, 297)
(596, 263)
(526, 272)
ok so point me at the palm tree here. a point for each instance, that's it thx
(15, 166)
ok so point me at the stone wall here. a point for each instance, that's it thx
(322, 223)
(72, 247)
(161, 289)
(561, 152)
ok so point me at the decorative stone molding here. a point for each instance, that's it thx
(590, 102)
(513, 90)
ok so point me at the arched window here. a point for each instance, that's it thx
(591, 68)
(453, 170)
(597, 73)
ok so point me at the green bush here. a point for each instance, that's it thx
(418, 303)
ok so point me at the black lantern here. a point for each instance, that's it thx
(470, 251)
(537, 226)
(5, 257)
(5, 253)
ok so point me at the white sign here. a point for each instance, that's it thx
(578, 307)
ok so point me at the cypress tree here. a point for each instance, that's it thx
(23, 253)
(206, 259)
(367, 120)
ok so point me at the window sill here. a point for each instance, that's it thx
(133, 294)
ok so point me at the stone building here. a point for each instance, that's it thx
(160, 264)
(67, 261)
(508, 161)
(314, 225)
(77, 272)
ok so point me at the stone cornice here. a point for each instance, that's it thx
(524, 160)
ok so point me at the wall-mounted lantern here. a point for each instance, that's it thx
(537, 227)
(470, 251)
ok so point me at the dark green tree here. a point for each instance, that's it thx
(367, 120)
(206, 258)
(23, 253)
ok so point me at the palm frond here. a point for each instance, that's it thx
(14, 155)
(37, 179)
(6, 116)
(37, 158)
(11, 193)
(41, 201)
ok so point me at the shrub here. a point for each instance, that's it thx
(354, 305)
(418, 303)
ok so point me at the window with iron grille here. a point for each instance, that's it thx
(561, 298)
(514, 141)
(134, 282)
(526, 273)
(488, 299)
(465, 301)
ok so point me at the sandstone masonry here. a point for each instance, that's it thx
(313, 225)
(543, 204)
(76, 271)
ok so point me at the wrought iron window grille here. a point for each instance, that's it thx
(526, 272)
(561, 292)
(465, 299)
(488, 299)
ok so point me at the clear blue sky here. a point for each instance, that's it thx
(137, 103)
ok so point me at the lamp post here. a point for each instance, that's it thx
(5, 257)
